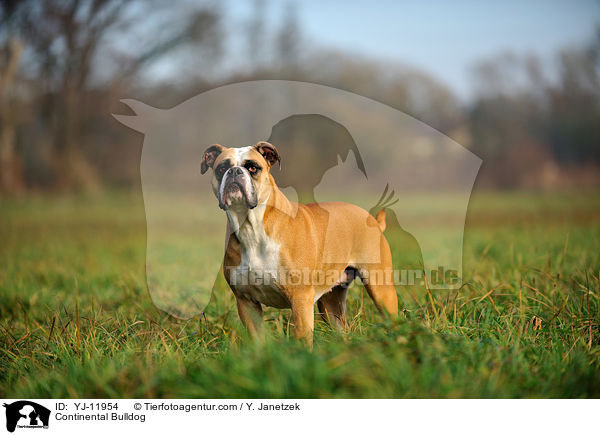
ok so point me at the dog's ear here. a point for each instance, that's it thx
(209, 157)
(269, 152)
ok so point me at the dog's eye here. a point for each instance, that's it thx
(252, 168)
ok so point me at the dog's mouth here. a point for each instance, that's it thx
(234, 194)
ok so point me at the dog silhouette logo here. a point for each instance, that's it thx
(26, 414)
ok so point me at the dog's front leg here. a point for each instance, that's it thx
(303, 314)
(252, 316)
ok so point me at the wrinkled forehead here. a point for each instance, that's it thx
(236, 156)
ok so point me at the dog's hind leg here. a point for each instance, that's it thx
(332, 306)
(378, 280)
(384, 296)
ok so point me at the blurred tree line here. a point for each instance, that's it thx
(64, 65)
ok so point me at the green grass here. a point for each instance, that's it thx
(76, 319)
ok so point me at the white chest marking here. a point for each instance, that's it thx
(256, 276)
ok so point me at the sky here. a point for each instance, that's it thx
(444, 38)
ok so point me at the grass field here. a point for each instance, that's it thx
(76, 319)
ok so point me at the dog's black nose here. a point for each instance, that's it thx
(237, 170)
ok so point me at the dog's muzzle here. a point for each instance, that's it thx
(237, 189)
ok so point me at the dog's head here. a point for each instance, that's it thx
(241, 176)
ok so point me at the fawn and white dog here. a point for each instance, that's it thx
(288, 255)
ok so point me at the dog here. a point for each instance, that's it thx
(284, 254)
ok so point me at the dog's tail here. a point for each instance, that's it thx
(385, 201)
(381, 219)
